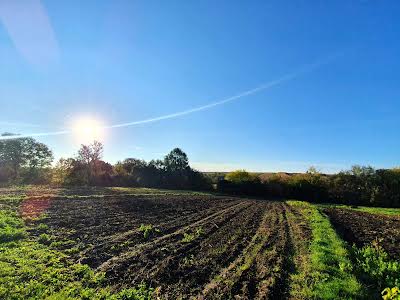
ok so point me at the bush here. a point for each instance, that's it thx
(241, 176)
(373, 265)
(241, 182)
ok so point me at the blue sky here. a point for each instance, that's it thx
(124, 61)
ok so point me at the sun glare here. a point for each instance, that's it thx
(88, 130)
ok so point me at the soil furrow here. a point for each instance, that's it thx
(165, 241)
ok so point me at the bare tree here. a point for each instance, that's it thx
(90, 156)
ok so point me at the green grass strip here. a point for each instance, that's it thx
(371, 210)
(326, 273)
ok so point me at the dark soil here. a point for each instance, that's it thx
(202, 246)
(361, 228)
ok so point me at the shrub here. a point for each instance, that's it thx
(375, 268)
(240, 176)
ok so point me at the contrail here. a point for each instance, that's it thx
(18, 136)
(265, 86)
(204, 107)
(305, 69)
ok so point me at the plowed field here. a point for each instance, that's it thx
(133, 243)
(198, 246)
(362, 228)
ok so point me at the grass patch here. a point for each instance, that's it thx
(11, 227)
(372, 210)
(42, 227)
(33, 270)
(327, 271)
(45, 239)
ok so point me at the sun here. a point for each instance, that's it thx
(87, 130)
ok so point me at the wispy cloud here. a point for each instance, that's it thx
(29, 27)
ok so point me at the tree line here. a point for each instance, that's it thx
(361, 185)
(27, 161)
